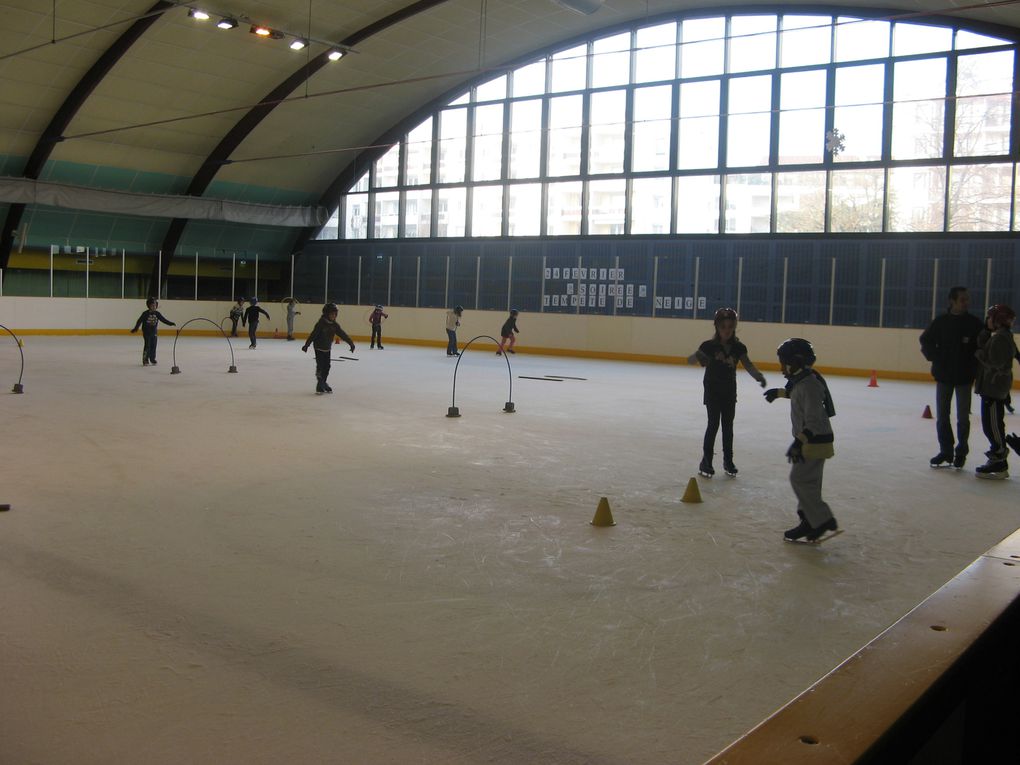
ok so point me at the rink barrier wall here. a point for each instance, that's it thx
(939, 685)
(852, 351)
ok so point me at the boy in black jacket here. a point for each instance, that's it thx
(508, 333)
(949, 344)
(149, 322)
(251, 318)
(321, 337)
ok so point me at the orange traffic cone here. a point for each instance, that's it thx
(603, 515)
(873, 383)
(926, 414)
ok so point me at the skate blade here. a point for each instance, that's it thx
(824, 538)
(993, 476)
(705, 475)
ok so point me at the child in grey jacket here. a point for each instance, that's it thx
(995, 354)
(810, 409)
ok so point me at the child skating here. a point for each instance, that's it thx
(376, 320)
(292, 311)
(508, 333)
(720, 357)
(149, 322)
(810, 409)
(995, 352)
(251, 318)
(321, 338)
(236, 312)
(452, 322)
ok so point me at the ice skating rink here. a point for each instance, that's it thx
(217, 568)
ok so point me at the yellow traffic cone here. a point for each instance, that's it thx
(693, 493)
(603, 515)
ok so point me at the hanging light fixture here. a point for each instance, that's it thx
(335, 55)
(298, 43)
(226, 23)
(197, 14)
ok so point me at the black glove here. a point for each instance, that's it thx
(773, 393)
(795, 453)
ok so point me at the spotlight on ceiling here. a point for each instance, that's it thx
(298, 43)
(587, 7)
(197, 14)
(226, 23)
(261, 31)
(335, 55)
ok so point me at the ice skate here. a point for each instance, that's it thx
(798, 531)
(327, 388)
(380, 347)
(1013, 441)
(941, 460)
(145, 362)
(994, 469)
(319, 389)
(959, 461)
(511, 351)
(153, 362)
(827, 530)
(730, 469)
(705, 468)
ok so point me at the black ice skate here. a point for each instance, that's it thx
(799, 531)
(319, 390)
(959, 461)
(993, 469)
(145, 362)
(705, 468)
(827, 530)
(1013, 440)
(380, 347)
(941, 460)
(326, 388)
(729, 468)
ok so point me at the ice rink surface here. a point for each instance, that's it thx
(219, 568)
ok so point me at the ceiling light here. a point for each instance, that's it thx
(335, 55)
(298, 43)
(261, 31)
(198, 15)
(226, 23)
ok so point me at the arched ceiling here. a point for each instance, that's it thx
(183, 85)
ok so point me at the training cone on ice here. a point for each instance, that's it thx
(926, 414)
(603, 515)
(873, 382)
(276, 334)
(693, 493)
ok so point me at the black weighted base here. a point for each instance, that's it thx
(175, 370)
(18, 388)
(509, 407)
(453, 412)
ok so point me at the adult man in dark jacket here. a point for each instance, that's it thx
(949, 344)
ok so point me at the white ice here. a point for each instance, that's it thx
(224, 568)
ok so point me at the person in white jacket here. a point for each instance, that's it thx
(452, 322)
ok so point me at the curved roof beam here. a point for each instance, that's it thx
(221, 154)
(53, 133)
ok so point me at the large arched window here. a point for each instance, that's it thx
(728, 124)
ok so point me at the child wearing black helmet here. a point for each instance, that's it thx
(720, 357)
(995, 352)
(376, 321)
(810, 409)
(149, 322)
(321, 337)
(508, 333)
(251, 318)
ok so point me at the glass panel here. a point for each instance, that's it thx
(569, 69)
(387, 168)
(909, 39)
(356, 221)
(563, 210)
(748, 203)
(525, 138)
(418, 213)
(917, 198)
(752, 43)
(699, 125)
(806, 40)
(858, 112)
(608, 128)
(451, 209)
(487, 153)
(651, 200)
(564, 135)
(524, 215)
(529, 80)
(610, 63)
(461, 100)
(703, 48)
(653, 111)
(493, 90)
(984, 85)
(749, 126)
(857, 197)
(966, 40)
(857, 39)
(361, 185)
(452, 145)
(802, 119)
(386, 215)
(656, 53)
(697, 204)
(607, 202)
(979, 197)
(919, 89)
(800, 202)
(332, 228)
(487, 211)
(418, 156)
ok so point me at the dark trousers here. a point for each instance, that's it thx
(944, 393)
(233, 328)
(377, 334)
(451, 345)
(322, 364)
(149, 350)
(252, 328)
(720, 411)
(993, 420)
